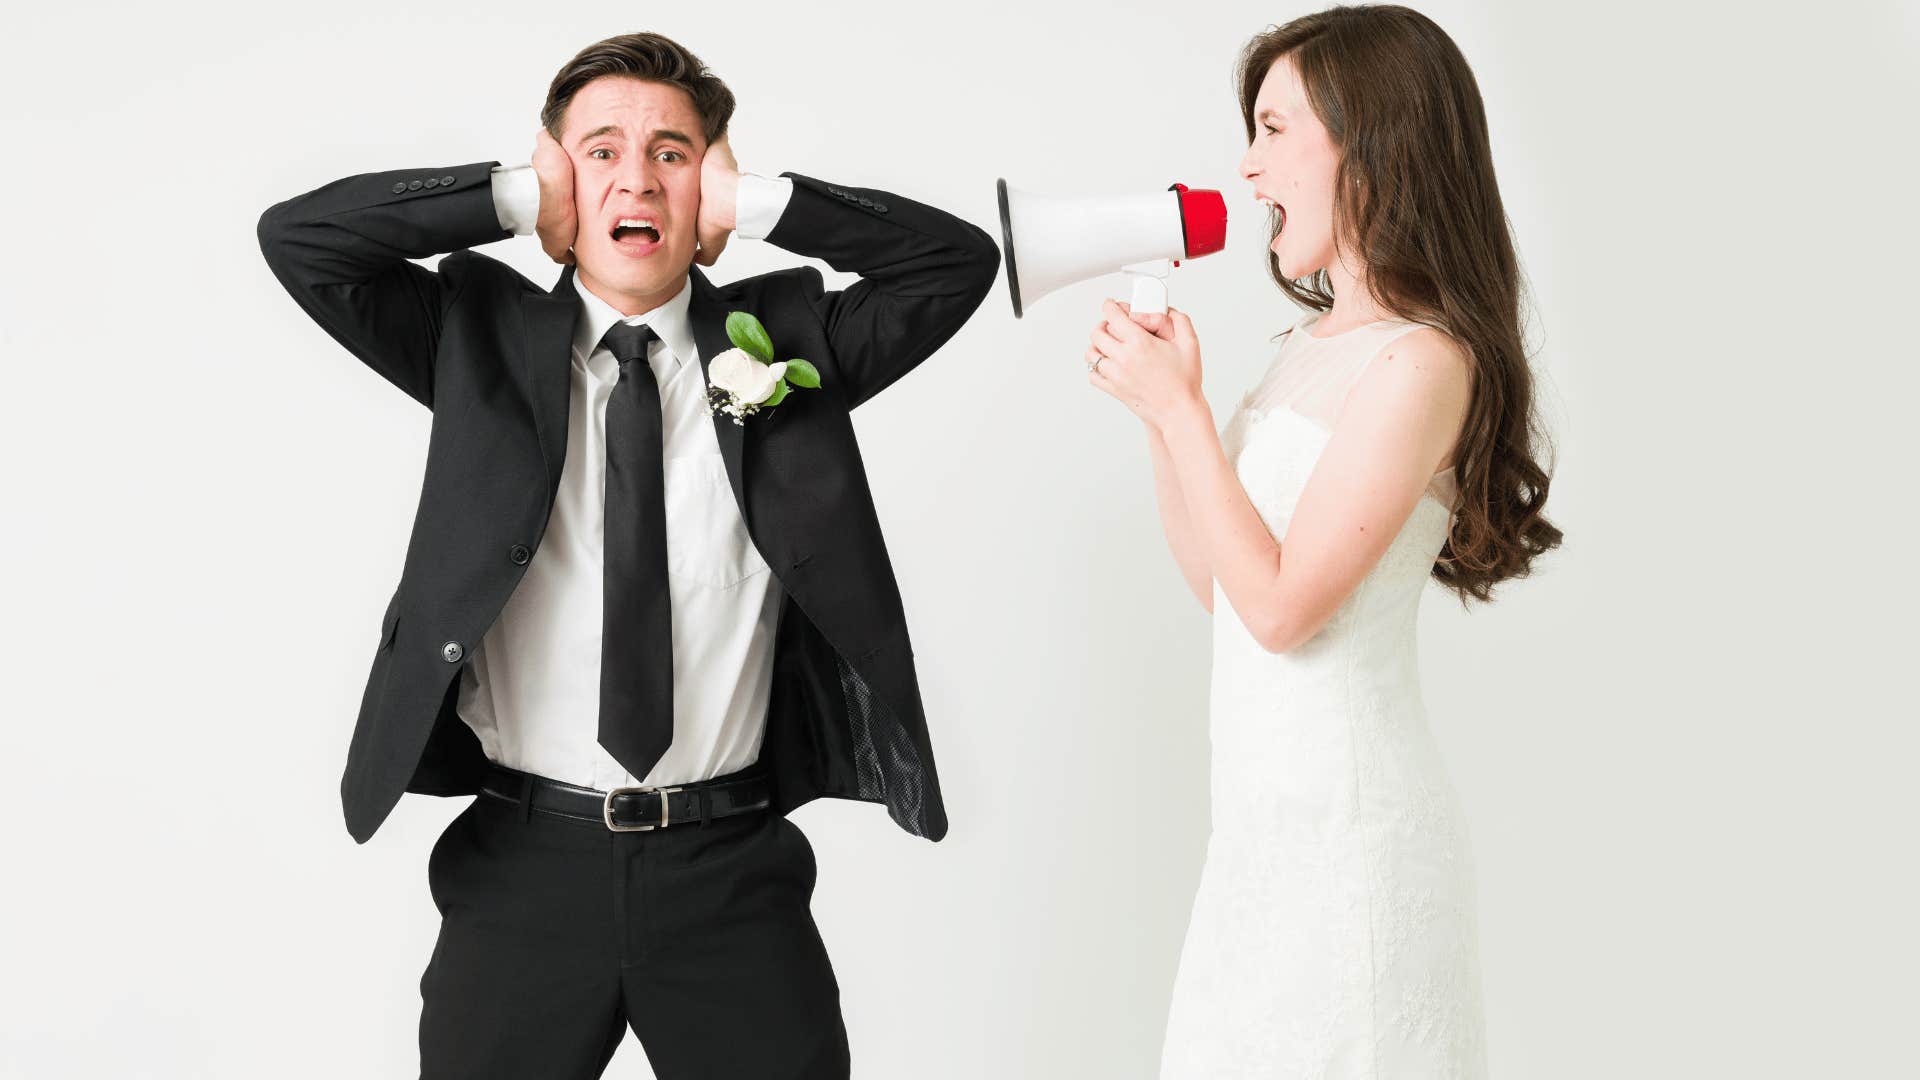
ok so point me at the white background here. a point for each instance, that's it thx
(1685, 745)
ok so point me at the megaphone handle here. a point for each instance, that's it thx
(1149, 295)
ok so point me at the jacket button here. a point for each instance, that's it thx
(880, 207)
(520, 554)
(415, 185)
(446, 181)
(433, 181)
(399, 186)
(451, 652)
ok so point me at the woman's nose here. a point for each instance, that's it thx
(1248, 169)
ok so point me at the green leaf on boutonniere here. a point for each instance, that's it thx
(779, 395)
(748, 335)
(801, 373)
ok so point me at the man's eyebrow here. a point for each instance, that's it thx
(616, 129)
(603, 129)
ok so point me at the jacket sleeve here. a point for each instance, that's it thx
(922, 271)
(342, 252)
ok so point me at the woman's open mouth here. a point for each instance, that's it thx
(1279, 212)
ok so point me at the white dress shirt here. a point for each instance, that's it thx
(531, 691)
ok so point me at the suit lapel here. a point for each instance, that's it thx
(709, 320)
(547, 363)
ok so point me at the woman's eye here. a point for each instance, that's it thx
(1271, 130)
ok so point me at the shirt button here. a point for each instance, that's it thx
(451, 652)
(520, 554)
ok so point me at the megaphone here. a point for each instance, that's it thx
(1053, 240)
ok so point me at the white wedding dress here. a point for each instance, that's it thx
(1333, 934)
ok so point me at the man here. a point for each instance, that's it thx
(641, 632)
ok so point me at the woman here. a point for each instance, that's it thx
(1390, 440)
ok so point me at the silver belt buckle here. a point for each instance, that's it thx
(606, 808)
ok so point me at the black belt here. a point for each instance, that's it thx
(631, 809)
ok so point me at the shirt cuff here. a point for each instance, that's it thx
(759, 204)
(516, 197)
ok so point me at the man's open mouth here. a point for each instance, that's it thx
(636, 232)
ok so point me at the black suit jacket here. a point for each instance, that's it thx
(488, 352)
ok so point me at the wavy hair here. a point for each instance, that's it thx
(1416, 200)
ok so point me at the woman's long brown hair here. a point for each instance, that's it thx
(1416, 197)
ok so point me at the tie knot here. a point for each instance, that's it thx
(627, 342)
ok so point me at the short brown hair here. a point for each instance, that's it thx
(652, 58)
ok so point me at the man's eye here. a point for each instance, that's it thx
(671, 155)
(597, 151)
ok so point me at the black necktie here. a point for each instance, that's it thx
(636, 649)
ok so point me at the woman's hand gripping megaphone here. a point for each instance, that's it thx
(1150, 363)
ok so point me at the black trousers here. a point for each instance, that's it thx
(557, 936)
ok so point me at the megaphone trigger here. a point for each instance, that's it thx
(1149, 286)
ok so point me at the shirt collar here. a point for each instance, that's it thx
(669, 320)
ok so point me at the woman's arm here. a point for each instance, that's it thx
(1175, 522)
(1398, 424)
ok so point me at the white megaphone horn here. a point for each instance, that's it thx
(1057, 240)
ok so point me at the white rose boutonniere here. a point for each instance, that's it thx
(745, 380)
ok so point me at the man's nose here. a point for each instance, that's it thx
(638, 176)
